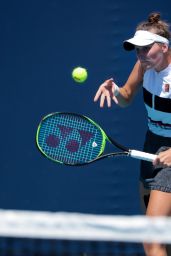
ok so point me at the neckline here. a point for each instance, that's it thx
(163, 70)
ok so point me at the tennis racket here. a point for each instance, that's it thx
(74, 139)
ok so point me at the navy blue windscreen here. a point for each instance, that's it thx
(69, 138)
(41, 42)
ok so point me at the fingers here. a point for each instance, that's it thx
(115, 100)
(102, 100)
(159, 161)
(156, 161)
(105, 93)
(98, 93)
(164, 158)
(102, 88)
(105, 98)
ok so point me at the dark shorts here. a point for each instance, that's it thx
(155, 178)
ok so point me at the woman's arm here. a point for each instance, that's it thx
(129, 90)
(122, 96)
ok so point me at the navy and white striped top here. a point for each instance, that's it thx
(157, 99)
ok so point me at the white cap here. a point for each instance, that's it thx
(143, 38)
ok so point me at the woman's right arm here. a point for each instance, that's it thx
(122, 96)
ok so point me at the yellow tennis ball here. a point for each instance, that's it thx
(79, 74)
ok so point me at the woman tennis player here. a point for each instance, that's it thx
(152, 71)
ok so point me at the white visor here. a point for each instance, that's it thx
(143, 38)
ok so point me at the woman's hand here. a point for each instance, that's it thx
(163, 158)
(107, 92)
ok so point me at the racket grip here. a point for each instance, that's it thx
(142, 155)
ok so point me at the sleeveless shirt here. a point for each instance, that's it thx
(157, 99)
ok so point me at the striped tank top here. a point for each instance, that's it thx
(157, 99)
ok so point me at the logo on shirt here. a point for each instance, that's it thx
(166, 87)
(166, 90)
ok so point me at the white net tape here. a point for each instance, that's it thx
(73, 226)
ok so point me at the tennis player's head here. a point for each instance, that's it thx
(151, 41)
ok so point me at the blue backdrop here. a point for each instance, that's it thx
(40, 43)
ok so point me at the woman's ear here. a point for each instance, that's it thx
(165, 48)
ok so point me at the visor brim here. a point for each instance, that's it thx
(129, 45)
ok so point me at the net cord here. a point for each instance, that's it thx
(76, 226)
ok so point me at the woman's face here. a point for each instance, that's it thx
(151, 56)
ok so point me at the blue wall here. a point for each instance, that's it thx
(41, 42)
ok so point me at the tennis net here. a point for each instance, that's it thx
(28, 233)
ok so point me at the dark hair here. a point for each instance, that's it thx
(156, 25)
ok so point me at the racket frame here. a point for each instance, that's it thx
(103, 144)
(124, 150)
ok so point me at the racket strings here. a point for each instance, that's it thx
(70, 139)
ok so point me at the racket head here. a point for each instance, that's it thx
(70, 138)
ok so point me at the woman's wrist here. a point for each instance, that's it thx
(116, 90)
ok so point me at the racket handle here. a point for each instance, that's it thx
(142, 155)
